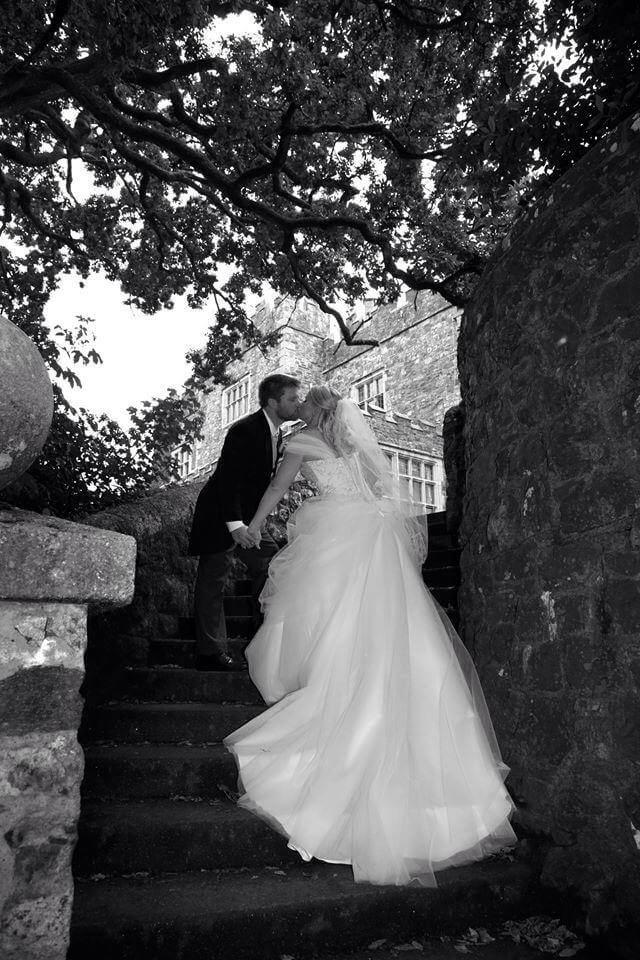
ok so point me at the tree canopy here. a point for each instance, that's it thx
(334, 148)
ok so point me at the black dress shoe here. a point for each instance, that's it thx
(218, 661)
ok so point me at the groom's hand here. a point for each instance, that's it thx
(242, 536)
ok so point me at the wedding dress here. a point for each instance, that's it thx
(377, 749)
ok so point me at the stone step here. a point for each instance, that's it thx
(237, 606)
(160, 836)
(439, 540)
(157, 771)
(445, 596)
(450, 948)
(445, 557)
(441, 577)
(239, 588)
(237, 627)
(177, 685)
(165, 722)
(264, 913)
(181, 651)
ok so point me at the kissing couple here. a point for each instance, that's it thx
(376, 748)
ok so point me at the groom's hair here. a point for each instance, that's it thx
(273, 386)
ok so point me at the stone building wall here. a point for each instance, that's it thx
(417, 352)
(550, 596)
(303, 333)
(418, 344)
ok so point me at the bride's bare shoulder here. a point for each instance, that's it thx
(310, 445)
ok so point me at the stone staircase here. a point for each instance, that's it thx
(441, 570)
(167, 867)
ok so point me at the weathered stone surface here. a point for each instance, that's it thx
(41, 634)
(26, 402)
(550, 371)
(40, 774)
(164, 575)
(49, 571)
(41, 698)
(46, 558)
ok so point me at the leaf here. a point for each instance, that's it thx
(376, 944)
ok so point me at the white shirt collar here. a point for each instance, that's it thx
(272, 426)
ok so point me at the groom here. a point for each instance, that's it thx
(226, 504)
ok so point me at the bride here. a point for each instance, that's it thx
(377, 749)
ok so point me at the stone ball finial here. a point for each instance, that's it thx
(26, 402)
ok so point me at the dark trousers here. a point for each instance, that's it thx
(213, 571)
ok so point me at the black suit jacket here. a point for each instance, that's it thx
(234, 491)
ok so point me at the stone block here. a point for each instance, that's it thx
(43, 698)
(26, 402)
(46, 558)
(40, 774)
(41, 634)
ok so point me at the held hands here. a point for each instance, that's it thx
(254, 533)
(246, 537)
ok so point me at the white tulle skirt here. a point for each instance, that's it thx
(378, 749)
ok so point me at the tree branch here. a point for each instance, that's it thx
(369, 129)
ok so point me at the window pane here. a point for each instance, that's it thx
(416, 493)
(428, 471)
(236, 401)
(415, 468)
(429, 493)
(371, 391)
(403, 465)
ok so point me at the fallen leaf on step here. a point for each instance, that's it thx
(546, 934)
(376, 944)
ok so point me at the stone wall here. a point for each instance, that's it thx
(50, 570)
(164, 577)
(550, 369)
(303, 331)
(417, 350)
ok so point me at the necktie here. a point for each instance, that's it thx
(278, 451)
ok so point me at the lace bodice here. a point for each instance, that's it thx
(332, 478)
(326, 471)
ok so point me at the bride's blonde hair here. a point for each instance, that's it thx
(325, 398)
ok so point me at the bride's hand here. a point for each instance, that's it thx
(254, 533)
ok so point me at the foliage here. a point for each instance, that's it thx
(89, 462)
(336, 147)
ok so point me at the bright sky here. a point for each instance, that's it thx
(143, 356)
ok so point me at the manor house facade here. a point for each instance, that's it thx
(405, 384)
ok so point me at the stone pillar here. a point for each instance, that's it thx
(51, 571)
(550, 597)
